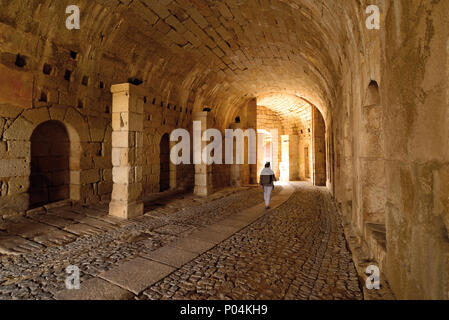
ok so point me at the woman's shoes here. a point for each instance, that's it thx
(267, 208)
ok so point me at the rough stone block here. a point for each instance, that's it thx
(137, 275)
(123, 139)
(125, 210)
(123, 175)
(127, 192)
(14, 167)
(84, 176)
(171, 256)
(95, 289)
(16, 88)
(21, 129)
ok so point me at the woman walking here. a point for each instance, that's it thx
(267, 179)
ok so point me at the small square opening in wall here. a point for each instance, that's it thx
(43, 97)
(80, 104)
(154, 101)
(168, 106)
(108, 110)
(67, 75)
(85, 81)
(21, 61)
(135, 81)
(47, 69)
(73, 54)
(100, 151)
(101, 85)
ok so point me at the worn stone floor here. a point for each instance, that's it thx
(223, 247)
(297, 251)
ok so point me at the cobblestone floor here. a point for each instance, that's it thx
(44, 244)
(297, 251)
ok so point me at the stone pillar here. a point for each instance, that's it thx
(294, 157)
(319, 148)
(251, 123)
(203, 172)
(260, 153)
(235, 168)
(127, 151)
(173, 171)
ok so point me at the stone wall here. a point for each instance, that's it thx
(392, 152)
(61, 86)
(161, 118)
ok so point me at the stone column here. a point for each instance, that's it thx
(251, 123)
(127, 148)
(319, 148)
(235, 168)
(173, 171)
(294, 157)
(203, 172)
(260, 153)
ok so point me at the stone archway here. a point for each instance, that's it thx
(50, 168)
(164, 176)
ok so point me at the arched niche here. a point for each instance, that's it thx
(372, 95)
(55, 161)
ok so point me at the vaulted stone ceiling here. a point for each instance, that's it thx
(287, 106)
(201, 52)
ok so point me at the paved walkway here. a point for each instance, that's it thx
(297, 251)
(224, 247)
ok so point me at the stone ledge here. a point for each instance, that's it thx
(362, 260)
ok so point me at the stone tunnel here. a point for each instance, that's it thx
(353, 119)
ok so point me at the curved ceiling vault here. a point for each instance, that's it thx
(205, 52)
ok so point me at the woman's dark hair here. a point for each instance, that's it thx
(267, 165)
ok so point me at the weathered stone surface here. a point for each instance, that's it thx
(17, 87)
(288, 254)
(95, 289)
(193, 245)
(171, 256)
(82, 229)
(10, 244)
(52, 220)
(211, 235)
(137, 274)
